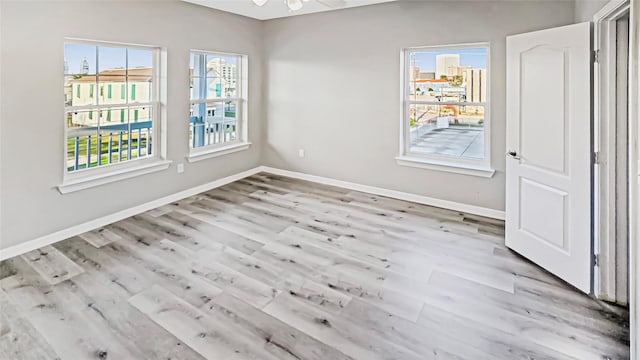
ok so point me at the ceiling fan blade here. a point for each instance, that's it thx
(334, 4)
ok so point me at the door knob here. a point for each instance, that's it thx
(513, 155)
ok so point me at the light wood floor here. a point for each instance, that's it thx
(274, 268)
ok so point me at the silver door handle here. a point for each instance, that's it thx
(513, 155)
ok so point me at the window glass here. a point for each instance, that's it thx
(214, 91)
(446, 96)
(117, 83)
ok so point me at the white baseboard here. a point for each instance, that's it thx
(420, 199)
(123, 214)
(76, 230)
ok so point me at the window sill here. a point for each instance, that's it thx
(86, 182)
(218, 151)
(474, 170)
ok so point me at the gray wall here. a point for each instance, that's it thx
(32, 110)
(585, 9)
(333, 81)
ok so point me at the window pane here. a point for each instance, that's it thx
(140, 88)
(112, 60)
(458, 75)
(222, 72)
(198, 89)
(214, 88)
(447, 130)
(82, 139)
(112, 63)
(79, 59)
(197, 75)
(140, 58)
(79, 74)
(230, 121)
(140, 75)
(212, 124)
(197, 118)
(141, 125)
(229, 75)
(81, 91)
(213, 66)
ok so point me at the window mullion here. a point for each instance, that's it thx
(97, 94)
(106, 106)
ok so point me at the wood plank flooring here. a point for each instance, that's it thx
(274, 268)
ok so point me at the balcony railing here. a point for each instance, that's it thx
(212, 130)
(89, 147)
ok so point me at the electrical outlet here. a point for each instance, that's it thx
(301, 153)
(180, 168)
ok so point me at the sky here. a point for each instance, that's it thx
(108, 57)
(114, 57)
(476, 58)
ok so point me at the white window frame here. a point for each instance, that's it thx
(91, 177)
(241, 142)
(440, 162)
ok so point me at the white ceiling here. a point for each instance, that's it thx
(277, 8)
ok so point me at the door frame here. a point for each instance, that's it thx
(634, 186)
(601, 19)
(606, 275)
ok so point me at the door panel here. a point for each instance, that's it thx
(543, 72)
(542, 212)
(548, 210)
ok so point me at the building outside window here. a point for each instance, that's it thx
(445, 106)
(217, 117)
(93, 137)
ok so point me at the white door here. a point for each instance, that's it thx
(548, 200)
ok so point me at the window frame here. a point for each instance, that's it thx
(242, 102)
(105, 173)
(434, 161)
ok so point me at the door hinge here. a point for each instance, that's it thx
(596, 260)
(596, 56)
(595, 157)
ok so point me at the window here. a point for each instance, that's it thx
(92, 139)
(445, 106)
(218, 101)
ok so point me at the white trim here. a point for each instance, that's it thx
(215, 152)
(449, 166)
(610, 9)
(214, 100)
(93, 42)
(634, 172)
(120, 215)
(420, 199)
(606, 273)
(112, 176)
(109, 106)
(456, 103)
